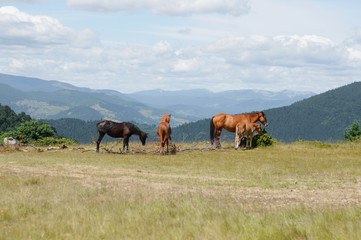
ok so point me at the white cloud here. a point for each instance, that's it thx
(22, 1)
(283, 50)
(162, 47)
(19, 28)
(165, 7)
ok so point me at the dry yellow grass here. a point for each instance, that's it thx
(296, 191)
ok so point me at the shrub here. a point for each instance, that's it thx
(353, 133)
(260, 140)
(265, 140)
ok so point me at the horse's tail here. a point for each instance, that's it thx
(212, 130)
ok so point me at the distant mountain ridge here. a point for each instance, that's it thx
(48, 100)
(29, 84)
(201, 103)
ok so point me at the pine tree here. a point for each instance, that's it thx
(354, 132)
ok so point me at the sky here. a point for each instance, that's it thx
(219, 45)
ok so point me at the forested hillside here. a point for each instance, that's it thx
(9, 119)
(324, 117)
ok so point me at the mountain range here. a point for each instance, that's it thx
(43, 99)
(55, 100)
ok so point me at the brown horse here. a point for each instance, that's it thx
(247, 129)
(229, 122)
(120, 130)
(164, 131)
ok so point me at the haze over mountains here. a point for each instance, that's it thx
(201, 103)
(54, 100)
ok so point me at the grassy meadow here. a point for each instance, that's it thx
(304, 190)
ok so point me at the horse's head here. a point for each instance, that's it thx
(258, 128)
(262, 118)
(166, 118)
(143, 137)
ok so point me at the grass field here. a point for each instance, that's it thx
(305, 190)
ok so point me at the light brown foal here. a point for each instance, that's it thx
(246, 128)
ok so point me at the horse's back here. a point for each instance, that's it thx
(164, 129)
(114, 129)
(103, 126)
(226, 121)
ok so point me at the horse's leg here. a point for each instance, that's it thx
(161, 145)
(251, 141)
(167, 144)
(126, 144)
(101, 135)
(236, 140)
(247, 139)
(218, 137)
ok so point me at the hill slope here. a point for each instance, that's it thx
(324, 117)
(82, 105)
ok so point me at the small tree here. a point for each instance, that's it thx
(353, 133)
(32, 130)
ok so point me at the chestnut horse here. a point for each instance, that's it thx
(120, 130)
(164, 131)
(229, 123)
(247, 129)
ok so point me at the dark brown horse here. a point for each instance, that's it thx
(164, 131)
(119, 130)
(229, 122)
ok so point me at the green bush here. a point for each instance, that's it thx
(354, 132)
(39, 133)
(265, 140)
(32, 131)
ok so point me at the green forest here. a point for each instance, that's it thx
(9, 119)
